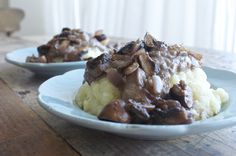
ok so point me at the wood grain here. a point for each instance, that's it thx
(23, 132)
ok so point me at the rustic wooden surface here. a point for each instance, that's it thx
(79, 140)
(23, 132)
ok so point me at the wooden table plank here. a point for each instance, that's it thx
(23, 132)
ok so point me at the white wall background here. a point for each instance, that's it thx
(199, 23)
(33, 23)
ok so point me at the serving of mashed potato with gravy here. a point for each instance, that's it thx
(207, 101)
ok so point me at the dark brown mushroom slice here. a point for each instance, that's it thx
(149, 40)
(135, 55)
(115, 77)
(148, 65)
(183, 94)
(43, 49)
(130, 69)
(95, 68)
(138, 112)
(120, 61)
(115, 111)
(170, 112)
(64, 34)
(100, 36)
(65, 29)
(152, 44)
(130, 48)
(133, 88)
(150, 98)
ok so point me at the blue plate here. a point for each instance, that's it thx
(18, 58)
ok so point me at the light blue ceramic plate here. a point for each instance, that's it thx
(57, 94)
(18, 58)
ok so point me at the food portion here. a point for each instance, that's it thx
(71, 45)
(149, 82)
(207, 101)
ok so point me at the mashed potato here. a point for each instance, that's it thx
(208, 101)
(92, 98)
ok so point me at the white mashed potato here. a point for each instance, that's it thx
(208, 101)
(92, 98)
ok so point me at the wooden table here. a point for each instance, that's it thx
(27, 129)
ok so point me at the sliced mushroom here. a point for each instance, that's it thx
(183, 94)
(115, 78)
(170, 112)
(120, 61)
(115, 111)
(139, 52)
(130, 48)
(95, 68)
(152, 44)
(43, 49)
(149, 40)
(133, 88)
(66, 29)
(101, 37)
(138, 112)
(148, 65)
(130, 69)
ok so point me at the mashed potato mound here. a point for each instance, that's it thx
(92, 98)
(207, 100)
